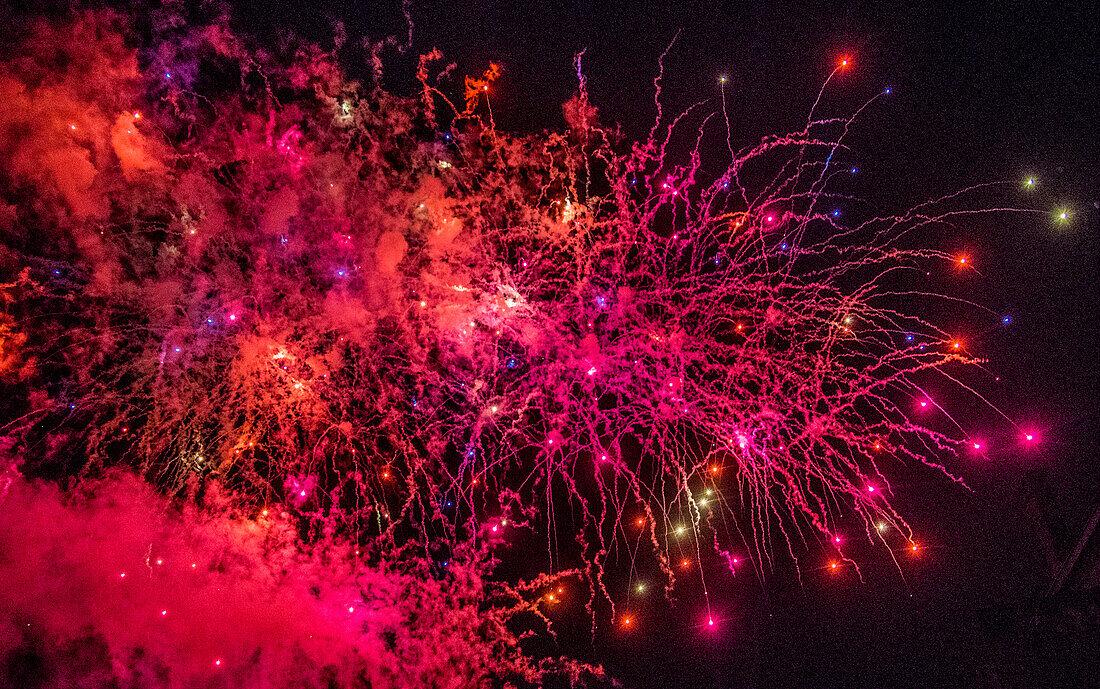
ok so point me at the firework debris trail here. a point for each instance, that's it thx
(410, 330)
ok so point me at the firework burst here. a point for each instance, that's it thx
(389, 317)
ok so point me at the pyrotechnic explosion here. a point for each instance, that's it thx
(399, 335)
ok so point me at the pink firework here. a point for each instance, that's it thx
(388, 316)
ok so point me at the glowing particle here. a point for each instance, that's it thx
(855, 170)
(137, 115)
(834, 565)
(493, 409)
(924, 404)
(977, 446)
(232, 316)
(302, 494)
(1006, 319)
(870, 489)
(963, 260)
(887, 89)
(722, 80)
(710, 621)
(264, 513)
(351, 609)
(679, 530)
(1030, 182)
(626, 621)
(72, 126)
(218, 662)
(844, 62)
(163, 612)
(641, 521)
(641, 588)
(1029, 436)
(122, 576)
(881, 526)
(160, 561)
(685, 563)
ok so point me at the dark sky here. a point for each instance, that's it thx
(978, 94)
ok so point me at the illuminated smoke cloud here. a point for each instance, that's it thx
(113, 584)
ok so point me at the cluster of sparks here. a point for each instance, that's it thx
(435, 334)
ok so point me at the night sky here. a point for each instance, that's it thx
(1003, 91)
(1007, 91)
